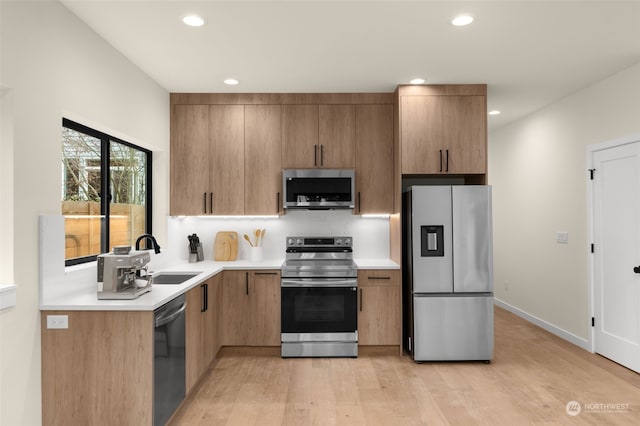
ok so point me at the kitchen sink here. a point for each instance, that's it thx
(173, 277)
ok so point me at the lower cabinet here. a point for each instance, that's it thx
(99, 371)
(379, 307)
(202, 337)
(251, 308)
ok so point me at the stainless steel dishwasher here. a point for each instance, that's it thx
(169, 386)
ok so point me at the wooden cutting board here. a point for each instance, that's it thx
(225, 247)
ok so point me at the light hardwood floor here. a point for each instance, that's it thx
(532, 378)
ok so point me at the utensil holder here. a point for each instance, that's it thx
(255, 254)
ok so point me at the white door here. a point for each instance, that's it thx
(616, 220)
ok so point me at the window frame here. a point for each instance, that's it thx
(105, 174)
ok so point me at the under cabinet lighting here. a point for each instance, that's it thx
(462, 20)
(417, 81)
(375, 216)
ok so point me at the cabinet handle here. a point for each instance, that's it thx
(204, 203)
(266, 273)
(440, 161)
(204, 298)
(211, 201)
(361, 302)
(278, 203)
(315, 155)
(246, 283)
(322, 155)
(447, 161)
(359, 203)
(379, 278)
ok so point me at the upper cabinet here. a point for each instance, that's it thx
(337, 136)
(226, 132)
(300, 136)
(207, 160)
(262, 159)
(443, 129)
(374, 158)
(318, 136)
(190, 191)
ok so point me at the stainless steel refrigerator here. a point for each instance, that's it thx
(448, 273)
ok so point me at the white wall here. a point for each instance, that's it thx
(538, 168)
(56, 66)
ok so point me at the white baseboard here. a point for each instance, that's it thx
(563, 334)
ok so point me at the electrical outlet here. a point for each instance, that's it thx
(57, 321)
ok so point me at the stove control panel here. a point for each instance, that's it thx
(311, 242)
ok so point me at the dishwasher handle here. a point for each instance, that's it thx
(164, 319)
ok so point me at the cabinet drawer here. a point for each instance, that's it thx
(379, 276)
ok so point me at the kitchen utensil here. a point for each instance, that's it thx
(257, 234)
(225, 247)
(246, 237)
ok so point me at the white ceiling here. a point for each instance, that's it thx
(530, 53)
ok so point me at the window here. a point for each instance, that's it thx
(106, 192)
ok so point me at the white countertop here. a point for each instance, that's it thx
(82, 295)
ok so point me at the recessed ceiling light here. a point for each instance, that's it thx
(417, 81)
(494, 112)
(462, 20)
(231, 81)
(193, 21)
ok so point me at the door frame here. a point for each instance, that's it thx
(591, 150)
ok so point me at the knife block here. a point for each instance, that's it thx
(198, 256)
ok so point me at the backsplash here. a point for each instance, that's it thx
(370, 235)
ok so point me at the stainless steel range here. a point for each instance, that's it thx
(319, 290)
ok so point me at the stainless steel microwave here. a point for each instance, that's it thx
(318, 189)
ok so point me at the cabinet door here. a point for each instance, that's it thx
(465, 133)
(213, 317)
(189, 171)
(374, 158)
(421, 134)
(264, 290)
(235, 308)
(337, 136)
(299, 136)
(226, 131)
(379, 307)
(195, 362)
(263, 159)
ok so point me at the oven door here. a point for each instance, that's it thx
(319, 310)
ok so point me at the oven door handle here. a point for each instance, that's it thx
(319, 283)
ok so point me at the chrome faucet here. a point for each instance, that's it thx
(150, 237)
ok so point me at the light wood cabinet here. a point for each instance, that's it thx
(201, 329)
(337, 136)
(443, 132)
(190, 187)
(226, 132)
(251, 308)
(263, 159)
(318, 136)
(374, 158)
(379, 307)
(299, 136)
(207, 160)
(99, 371)
(465, 123)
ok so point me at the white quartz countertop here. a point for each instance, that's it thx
(82, 295)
